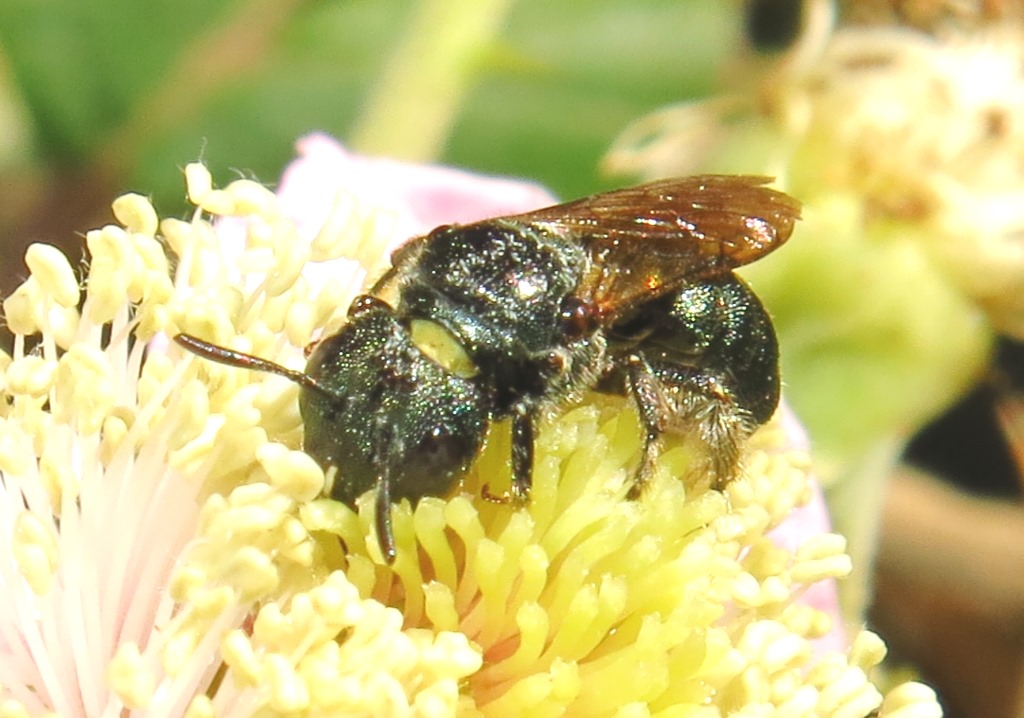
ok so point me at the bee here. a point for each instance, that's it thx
(629, 291)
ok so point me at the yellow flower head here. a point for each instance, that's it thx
(165, 550)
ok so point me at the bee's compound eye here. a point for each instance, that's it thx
(439, 426)
(442, 451)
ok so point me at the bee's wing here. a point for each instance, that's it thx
(647, 240)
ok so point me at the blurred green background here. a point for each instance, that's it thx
(107, 96)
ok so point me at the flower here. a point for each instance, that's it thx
(165, 550)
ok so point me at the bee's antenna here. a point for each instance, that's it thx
(247, 361)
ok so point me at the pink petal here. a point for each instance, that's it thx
(421, 197)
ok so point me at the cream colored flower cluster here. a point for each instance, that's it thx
(164, 550)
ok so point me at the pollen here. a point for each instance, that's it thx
(35, 550)
(136, 214)
(129, 676)
(53, 272)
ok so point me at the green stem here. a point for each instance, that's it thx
(412, 108)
